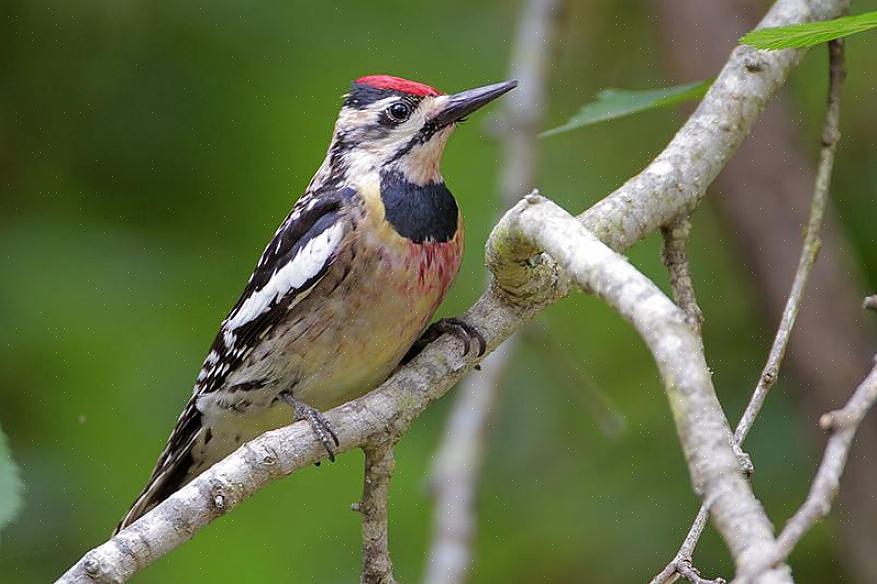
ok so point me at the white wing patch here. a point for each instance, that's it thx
(229, 338)
(293, 275)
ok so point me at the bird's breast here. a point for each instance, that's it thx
(382, 306)
(414, 275)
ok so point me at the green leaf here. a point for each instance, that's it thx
(10, 485)
(809, 34)
(616, 103)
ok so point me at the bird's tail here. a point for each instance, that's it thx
(172, 469)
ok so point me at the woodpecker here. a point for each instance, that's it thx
(345, 290)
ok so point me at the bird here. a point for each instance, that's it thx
(345, 290)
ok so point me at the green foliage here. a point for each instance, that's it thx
(616, 103)
(10, 484)
(810, 34)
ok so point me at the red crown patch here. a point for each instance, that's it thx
(398, 84)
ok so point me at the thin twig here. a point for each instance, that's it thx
(809, 253)
(673, 569)
(812, 242)
(379, 464)
(675, 259)
(841, 425)
(692, 574)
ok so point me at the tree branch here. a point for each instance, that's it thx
(683, 557)
(690, 573)
(675, 259)
(674, 183)
(537, 224)
(809, 253)
(841, 425)
(379, 464)
(812, 242)
(764, 196)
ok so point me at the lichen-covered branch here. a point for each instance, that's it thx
(379, 465)
(809, 253)
(674, 183)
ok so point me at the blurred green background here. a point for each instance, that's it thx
(149, 149)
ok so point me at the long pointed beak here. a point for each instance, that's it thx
(460, 105)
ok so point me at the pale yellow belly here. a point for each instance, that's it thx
(370, 332)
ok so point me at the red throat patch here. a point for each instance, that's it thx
(398, 84)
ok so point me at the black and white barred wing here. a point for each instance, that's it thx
(296, 259)
(290, 267)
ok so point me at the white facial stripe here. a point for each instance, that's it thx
(422, 164)
(292, 276)
(353, 118)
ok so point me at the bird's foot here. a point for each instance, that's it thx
(318, 423)
(455, 327)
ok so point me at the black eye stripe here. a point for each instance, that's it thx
(426, 133)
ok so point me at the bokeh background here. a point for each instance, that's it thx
(147, 152)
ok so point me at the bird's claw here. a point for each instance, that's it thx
(320, 426)
(455, 327)
(464, 331)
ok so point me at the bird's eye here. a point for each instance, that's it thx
(399, 112)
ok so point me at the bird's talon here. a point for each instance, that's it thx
(333, 435)
(463, 331)
(320, 426)
(482, 344)
(467, 343)
(455, 327)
